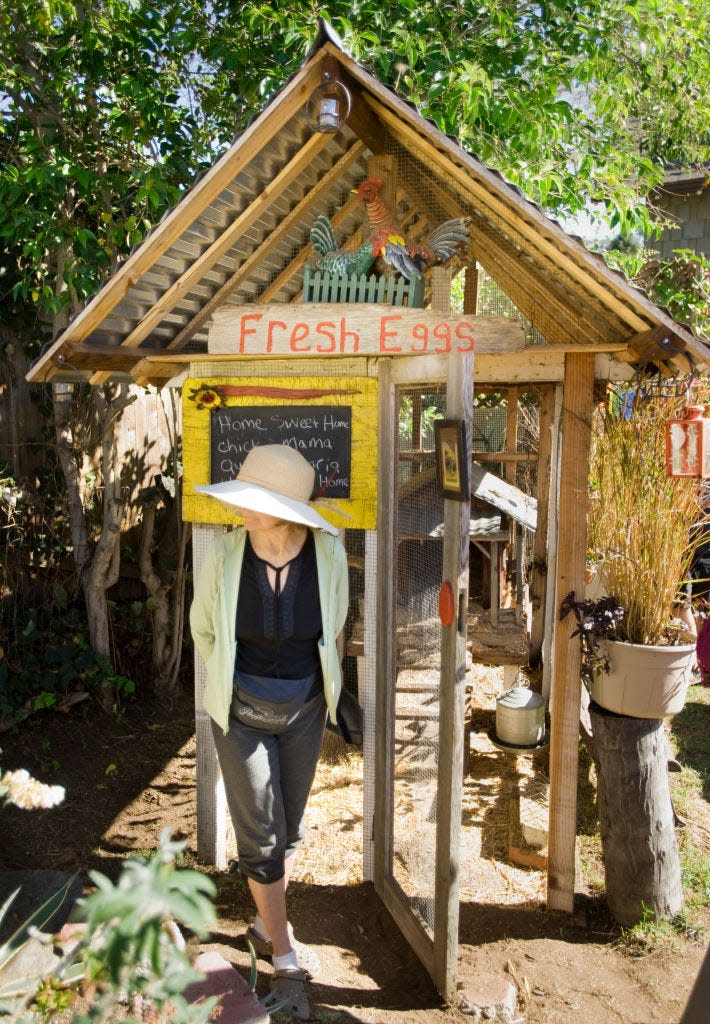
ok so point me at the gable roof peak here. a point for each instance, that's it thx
(326, 34)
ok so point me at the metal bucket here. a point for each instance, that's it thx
(520, 717)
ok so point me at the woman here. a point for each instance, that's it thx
(270, 602)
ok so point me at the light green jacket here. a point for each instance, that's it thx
(213, 616)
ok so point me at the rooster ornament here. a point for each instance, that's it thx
(340, 262)
(388, 243)
(391, 244)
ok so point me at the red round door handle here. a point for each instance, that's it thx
(447, 605)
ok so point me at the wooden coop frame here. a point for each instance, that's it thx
(438, 950)
(239, 237)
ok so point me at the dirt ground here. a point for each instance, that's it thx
(127, 780)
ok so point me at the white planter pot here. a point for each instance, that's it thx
(644, 681)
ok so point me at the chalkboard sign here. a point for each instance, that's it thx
(321, 433)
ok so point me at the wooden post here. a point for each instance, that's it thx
(550, 616)
(515, 549)
(211, 800)
(384, 166)
(459, 403)
(385, 639)
(566, 684)
(511, 434)
(636, 820)
(367, 694)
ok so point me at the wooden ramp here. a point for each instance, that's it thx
(506, 643)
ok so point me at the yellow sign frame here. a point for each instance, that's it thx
(200, 395)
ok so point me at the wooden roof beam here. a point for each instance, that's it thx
(228, 238)
(109, 356)
(363, 120)
(293, 268)
(589, 318)
(581, 279)
(274, 239)
(147, 371)
(649, 346)
(548, 312)
(549, 273)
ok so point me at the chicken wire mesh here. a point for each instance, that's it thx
(419, 545)
(419, 541)
(492, 301)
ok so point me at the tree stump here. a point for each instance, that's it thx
(639, 847)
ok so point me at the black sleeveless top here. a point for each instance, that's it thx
(278, 630)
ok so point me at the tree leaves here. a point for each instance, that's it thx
(111, 110)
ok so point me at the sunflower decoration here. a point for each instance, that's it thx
(206, 397)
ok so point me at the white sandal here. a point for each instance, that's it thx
(288, 990)
(308, 959)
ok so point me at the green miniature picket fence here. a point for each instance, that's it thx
(396, 291)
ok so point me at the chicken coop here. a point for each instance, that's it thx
(283, 296)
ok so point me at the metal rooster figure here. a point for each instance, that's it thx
(388, 244)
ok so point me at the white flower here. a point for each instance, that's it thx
(24, 791)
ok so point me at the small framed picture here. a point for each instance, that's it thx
(451, 464)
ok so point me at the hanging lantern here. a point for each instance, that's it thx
(688, 443)
(329, 105)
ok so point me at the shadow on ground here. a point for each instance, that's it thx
(104, 764)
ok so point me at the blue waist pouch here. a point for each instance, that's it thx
(268, 703)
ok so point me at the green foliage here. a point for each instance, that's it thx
(45, 655)
(125, 920)
(430, 409)
(629, 261)
(695, 872)
(34, 520)
(110, 110)
(650, 933)
(597, 621)
(98, 141)
(574, 102)
(126, 953)
(48, 658)
(680, 282)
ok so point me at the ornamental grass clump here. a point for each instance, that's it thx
(640, 520)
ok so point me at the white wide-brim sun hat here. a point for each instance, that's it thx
(277, 481)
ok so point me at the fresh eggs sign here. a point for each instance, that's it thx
(332, 421)
(324, 329)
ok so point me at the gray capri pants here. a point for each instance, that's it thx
(267, 779)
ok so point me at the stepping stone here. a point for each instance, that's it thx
(237, 1004)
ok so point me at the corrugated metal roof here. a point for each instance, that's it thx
(241, 235)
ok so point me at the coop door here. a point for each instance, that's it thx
(420, 687)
